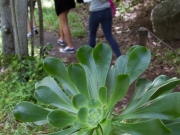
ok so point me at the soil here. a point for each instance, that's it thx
(125, 30)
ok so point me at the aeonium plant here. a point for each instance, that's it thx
(90, 89)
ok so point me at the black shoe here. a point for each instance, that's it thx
(60, 42)
(36, 31)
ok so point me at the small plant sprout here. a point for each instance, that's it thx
(82, 96)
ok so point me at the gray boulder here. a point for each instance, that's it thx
(165, 19)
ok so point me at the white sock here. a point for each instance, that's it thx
(29, 33)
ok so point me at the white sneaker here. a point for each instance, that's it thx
(67, 50)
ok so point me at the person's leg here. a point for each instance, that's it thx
(34, 21)
(61, 38)
(107, 29)
(67, 33)
(94, 20)
(65, 28)
(28, 28)
(33, 18)
(61, 34)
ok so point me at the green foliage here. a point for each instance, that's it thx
(76, 25)
(16, 85)
(91, 88)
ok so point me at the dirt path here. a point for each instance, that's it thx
(51, 38)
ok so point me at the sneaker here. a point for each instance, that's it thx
(29, 35)
(35, 32)
(67, 50)
(60, 42)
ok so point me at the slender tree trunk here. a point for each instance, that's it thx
(32, 29)
(7, 30)
(41, 30)
(19, 17)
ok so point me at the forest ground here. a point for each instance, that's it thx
(125, 31)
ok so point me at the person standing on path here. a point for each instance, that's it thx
(29, 33)
(62, 8)
(100, 13)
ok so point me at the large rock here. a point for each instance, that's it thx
(165, 19)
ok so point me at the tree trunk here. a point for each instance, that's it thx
(19, 16)
(41, 30)
(7, 30)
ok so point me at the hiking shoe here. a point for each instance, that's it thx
(60, 42)
(67, 50)
(35, 32)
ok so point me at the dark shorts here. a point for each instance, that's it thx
(33, 3)
(63, 5)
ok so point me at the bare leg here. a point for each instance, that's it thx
(61, 32)
(29, 22)
(33, 18)
(65, 28)
(28, 26)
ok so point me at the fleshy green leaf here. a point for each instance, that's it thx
(174, 127)
(137, 63)
(110, 81)
(46, 95)
(106, 126)
(132, 49)
(86, 131)
(51, 83)
(85, 57)
(102, 56)
(93, 103)
(150, 127)
(168, 85)
(57, 69)
(166, 107)
(95, 116)
(158, 81)
(120, 90)
(79, 124)
(28, 112)
(42, 122)
(83, 114)
(80, 101)
(103, 96)
(77, 75)
(83, 131)
(120, 64)
(142, 85)
(64, 132)
(98, 130)
(61, 119)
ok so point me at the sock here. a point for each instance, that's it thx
(29, 33)
(61, 40)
